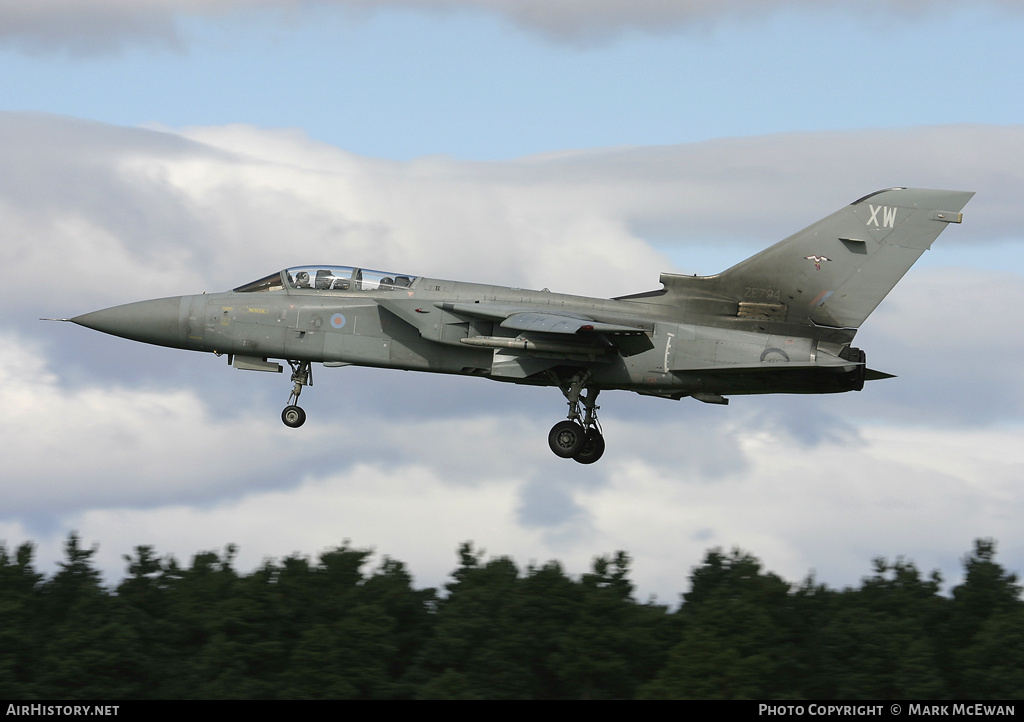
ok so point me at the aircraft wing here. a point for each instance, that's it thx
(546, 322)
(629, 340)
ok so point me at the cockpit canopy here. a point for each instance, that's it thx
(329, 278)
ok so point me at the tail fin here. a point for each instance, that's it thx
(838, 270)
(835, 272)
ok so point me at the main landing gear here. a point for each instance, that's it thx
(302, 375)
(579, 438)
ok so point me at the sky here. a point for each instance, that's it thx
(180, 146)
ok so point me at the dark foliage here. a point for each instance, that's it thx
(332, 629)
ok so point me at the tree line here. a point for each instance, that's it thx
(333, 629)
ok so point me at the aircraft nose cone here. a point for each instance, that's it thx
(162, 321)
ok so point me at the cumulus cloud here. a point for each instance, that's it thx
(829, 510)
(143, 213)
(104, 26)
(952, 349)
(132, 444)
(97, 215)
(69, 448)
(583, 20)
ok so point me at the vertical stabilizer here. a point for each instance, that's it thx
(835, 272)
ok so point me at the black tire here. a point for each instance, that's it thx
(293, 416)
(566, 438)
(592, 448)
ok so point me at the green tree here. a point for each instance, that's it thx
(19, 623)
(410, 618)
(993, 665)
(614, 644)
(539, 635)
(474, 633)
(880, 641)
(223, 631)
(984, 623)
(734, 641)
(356, 635)
(143, 600)
(90, 651)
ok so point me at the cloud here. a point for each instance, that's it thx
(132, 444)
(105, 26)
(97, 215)
(90, 27)
(69, 448)
(581, 20)
(828, 509)
(954, 353)
(212, 208)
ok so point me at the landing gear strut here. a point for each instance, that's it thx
(579, 438)
(302, 375)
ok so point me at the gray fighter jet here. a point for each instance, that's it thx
(779, 322)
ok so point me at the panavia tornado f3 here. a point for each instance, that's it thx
(779, 322)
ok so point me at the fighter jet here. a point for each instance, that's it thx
(781, 321)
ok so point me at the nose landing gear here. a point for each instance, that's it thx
(302, 375)
(579, 438)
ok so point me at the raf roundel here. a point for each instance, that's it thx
(338, 320)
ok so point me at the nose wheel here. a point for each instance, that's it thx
(302, 375)
(293, 416)
(579, 437)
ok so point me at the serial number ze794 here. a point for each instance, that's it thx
(762, 294)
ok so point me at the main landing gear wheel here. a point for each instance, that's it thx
(302, 375)
(566, 438)
(293, 416)
(580, 437)
(591, 449)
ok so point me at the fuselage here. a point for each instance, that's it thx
(426, 324)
